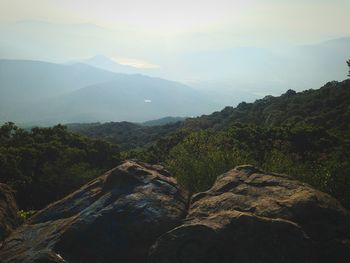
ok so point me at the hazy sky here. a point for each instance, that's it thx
(158, 33)
(264, 22)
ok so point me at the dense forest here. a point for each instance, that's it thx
(127, 135)
(304, 134)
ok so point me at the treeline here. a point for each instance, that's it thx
(45, 164)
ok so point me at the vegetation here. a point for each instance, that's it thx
(309, 154)
(327, 107)
(305, 134)
(348, 62)
(24, 215)
(45, 164)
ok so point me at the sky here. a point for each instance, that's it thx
(157, 34)
(321, 18)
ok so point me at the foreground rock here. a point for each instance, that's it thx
(9, 218)
(250, 216)
(115, 218)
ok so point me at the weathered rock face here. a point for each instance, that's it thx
(9, 218)
(115, 218)
(251, 216)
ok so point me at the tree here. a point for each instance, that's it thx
(45, 164)
(348, 62)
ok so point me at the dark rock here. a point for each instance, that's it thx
(9, 218)
(115, 218)
(253, 216)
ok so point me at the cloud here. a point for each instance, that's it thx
(148, 101)
(136, 63)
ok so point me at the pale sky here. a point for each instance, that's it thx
(156, 33)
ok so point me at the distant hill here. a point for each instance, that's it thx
(162, 121)
(126, 134)
(45, 93)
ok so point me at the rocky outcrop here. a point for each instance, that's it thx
(9, 218)
(115, 218)
(137, 213)
(252, 216)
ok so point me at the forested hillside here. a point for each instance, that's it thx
(326, 107)
(303, 134)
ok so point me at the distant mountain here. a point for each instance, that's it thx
(26, 80)
(263, 71)
(249, 69)
(45, 93)
(134, 98)
(26, 85)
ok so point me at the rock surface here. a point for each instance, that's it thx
(115, 218)
(250, 216)
(9, 218)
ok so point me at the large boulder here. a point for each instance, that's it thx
(115, 218)
(9, 218)
(252, 216)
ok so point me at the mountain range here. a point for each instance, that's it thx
(249, 69)
(35, 92)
